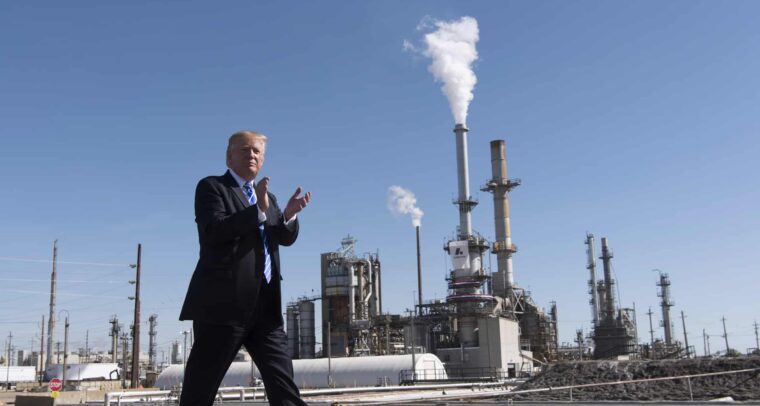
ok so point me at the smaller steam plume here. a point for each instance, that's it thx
(402, 201)
(451, 48)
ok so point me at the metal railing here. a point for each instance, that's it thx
(475, 374)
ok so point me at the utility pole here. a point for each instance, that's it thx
(651, 331)
(708, 344)
(757, 340)
(8, 363)
(685, 337)
(136, 339)
(51, 318)
(87, 347)
(65, 351)
(42, 348)
(152, 342)
(725, 335)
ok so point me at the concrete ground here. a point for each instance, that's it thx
(7, 398)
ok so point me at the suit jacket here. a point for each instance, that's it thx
(225, 285)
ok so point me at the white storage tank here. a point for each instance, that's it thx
(313, 373)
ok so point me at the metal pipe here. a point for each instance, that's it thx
(363, 300)
(371, 287)
(351, 292)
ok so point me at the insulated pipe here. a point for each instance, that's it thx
(351, 293)
(378, 291)
(463, 176)
(362, 299)
(371, 287)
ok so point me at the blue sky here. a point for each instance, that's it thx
(637, 121)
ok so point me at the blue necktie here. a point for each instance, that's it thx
(248, 189)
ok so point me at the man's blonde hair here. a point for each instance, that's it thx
(244, 134)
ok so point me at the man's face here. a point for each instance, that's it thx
(246, 156)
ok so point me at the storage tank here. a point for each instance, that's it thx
(313, 373)
(292, 330)
(306, 326)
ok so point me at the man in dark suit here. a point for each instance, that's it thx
(234, 297)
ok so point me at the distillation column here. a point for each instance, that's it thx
(609, 298)
(592, 281)
(666, 304)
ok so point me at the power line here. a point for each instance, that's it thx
(64, 281)
(64, 262)
(60, 294)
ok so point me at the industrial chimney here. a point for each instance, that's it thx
(468, 276)
(465, 201)
(500, 186)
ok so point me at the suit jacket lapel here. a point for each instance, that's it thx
(236, 190)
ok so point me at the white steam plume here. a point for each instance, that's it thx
(452, 50)
(402, 201)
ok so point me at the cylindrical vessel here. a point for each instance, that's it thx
(306, 327)
(292, 329)
(609, 296)
(592, 279)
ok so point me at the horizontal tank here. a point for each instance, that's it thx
(313, 373)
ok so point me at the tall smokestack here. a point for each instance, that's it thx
(500, 185)
(609, 298)
(465, 201)
(419, 272)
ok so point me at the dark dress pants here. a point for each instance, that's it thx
(215, 348)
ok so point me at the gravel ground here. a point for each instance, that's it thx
(744, 386)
